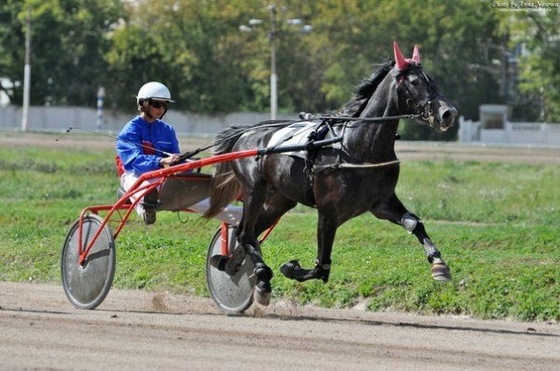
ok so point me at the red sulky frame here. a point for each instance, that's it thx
(161, 175)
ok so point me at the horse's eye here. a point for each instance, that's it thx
(415, 81)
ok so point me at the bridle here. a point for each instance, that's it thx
(425, 107)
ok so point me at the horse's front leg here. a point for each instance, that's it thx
(326, 231)
(394, 211)
(414, 225)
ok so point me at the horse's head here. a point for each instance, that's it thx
(419, 93)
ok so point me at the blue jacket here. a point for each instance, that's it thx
(141, 145)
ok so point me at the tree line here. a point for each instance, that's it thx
(479, 52)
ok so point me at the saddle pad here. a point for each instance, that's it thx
(294, 134)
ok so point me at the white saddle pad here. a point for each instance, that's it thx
(294, 134)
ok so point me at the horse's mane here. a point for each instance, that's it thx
(365, 90)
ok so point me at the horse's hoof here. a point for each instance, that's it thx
(294, 271)
(262, 294)
(219, 262)
(263, 272)
(287, 269)
(441, 272)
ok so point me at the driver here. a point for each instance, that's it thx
(147, 143)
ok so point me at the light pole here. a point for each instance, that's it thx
(100, 97)
(273, 86)
(26, 72)
(272, 36)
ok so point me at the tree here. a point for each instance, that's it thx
(357, 35)
(537, 34)
(196, 48)
(12, 55)
(68, 43)
(191, 46)
(210, 66)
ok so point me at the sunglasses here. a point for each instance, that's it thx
(158, 104)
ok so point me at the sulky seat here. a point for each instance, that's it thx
(182, 190)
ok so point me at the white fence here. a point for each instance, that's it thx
(526, 133)
(42, 118)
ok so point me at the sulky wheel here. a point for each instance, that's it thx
(233, 294)
(87, 286)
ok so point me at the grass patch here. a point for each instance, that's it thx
(495, 224)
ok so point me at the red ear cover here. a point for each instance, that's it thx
(416, 54)
(399, 59)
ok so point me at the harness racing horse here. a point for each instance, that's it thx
(356, 175)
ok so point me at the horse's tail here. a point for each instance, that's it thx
(224, 186)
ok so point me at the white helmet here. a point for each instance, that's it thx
(154, 90)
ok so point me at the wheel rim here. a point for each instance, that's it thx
(86, 287)
(233, 294)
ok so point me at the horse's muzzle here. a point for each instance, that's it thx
(447, 115)
(443, 115)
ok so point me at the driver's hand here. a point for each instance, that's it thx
(168, 161)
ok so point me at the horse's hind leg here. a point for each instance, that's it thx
(274, 207)
(247, 233)
(394, 211)
(254, 214)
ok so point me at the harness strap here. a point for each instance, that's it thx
(346, 165)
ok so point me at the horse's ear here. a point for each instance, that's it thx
(399, 59)
(416, 54)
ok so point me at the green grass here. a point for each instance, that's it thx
(495, 224)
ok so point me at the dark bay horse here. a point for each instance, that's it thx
(356, 175)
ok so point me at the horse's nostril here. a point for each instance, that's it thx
(448, 115)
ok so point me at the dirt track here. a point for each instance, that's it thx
(138, 330)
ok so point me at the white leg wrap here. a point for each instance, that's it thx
(409, 222)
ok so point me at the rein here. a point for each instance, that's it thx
(368, 119)
(307, 117)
